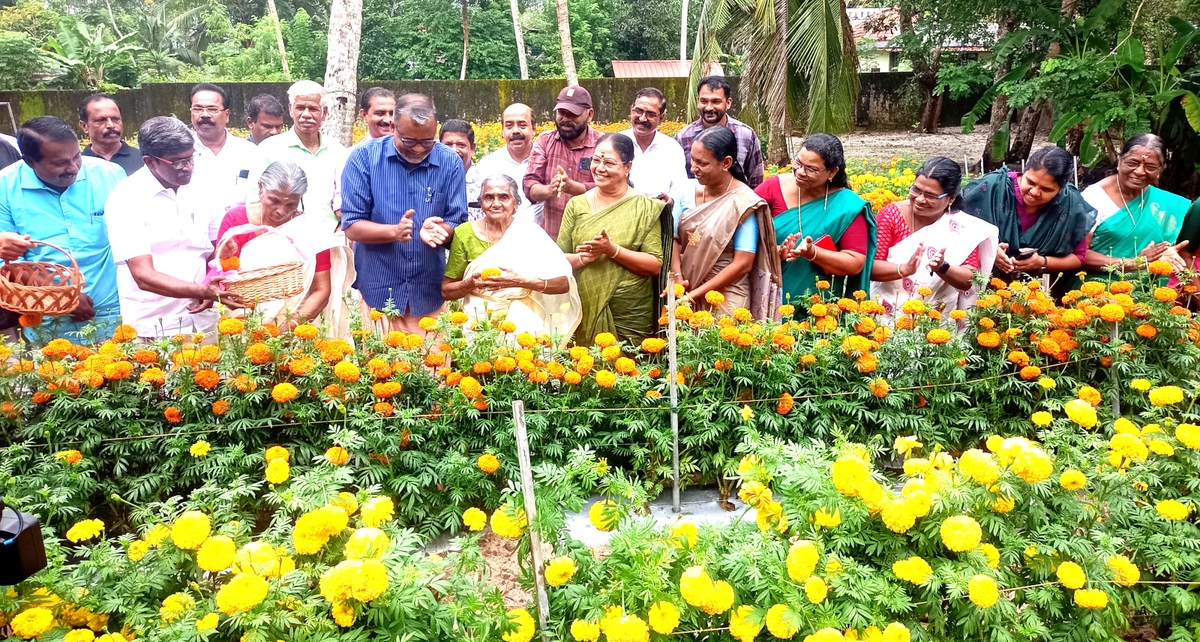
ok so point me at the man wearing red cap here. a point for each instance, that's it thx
(560, 166)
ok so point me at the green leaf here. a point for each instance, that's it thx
(1000, 141)
(1131, 52)
(1191, 109)
(1064, 123)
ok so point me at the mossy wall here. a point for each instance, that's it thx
(475, 100)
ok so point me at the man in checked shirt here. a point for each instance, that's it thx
(560, 166)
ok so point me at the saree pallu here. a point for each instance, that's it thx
(525, 250)
(613, 299)
(958, 234)
(815, 219)
(309, 237)
(1061, 224)
(1154, 217)
(706, 235)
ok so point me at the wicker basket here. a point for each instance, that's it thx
(38, 286)
(266, 284)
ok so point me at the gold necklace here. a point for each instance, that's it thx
(1125, 203)
(723, 192)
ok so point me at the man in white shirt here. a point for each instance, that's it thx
(459, 136)
(513, 159)
(659, 165)
(223, 161)
(162, 231)
(321, 157)
(377, 108)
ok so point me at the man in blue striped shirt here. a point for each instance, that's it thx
(392, 186)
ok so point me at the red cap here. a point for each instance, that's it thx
(574, 99)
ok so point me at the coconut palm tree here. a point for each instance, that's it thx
(564, 36)
(801, 62)
(516, 17)
(341, 68)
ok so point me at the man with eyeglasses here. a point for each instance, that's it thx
(162, 230)
(713, 101)
(395, 188)
(57, 196)
(321, 157)
(100, 119)
(658, 161)
(223, 161)
(560, 166)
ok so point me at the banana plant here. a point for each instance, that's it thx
(85, 52)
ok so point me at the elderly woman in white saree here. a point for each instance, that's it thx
(925, 242)
(275, 232)
(500, 266)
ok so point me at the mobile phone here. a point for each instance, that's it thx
(826, 243)
(585, 164)
(1026, 252)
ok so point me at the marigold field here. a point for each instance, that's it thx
(943, 479)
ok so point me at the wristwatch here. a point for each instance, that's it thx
(943, 268)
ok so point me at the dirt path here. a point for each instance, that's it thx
(949, 141)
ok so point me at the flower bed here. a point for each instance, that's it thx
(136, 436)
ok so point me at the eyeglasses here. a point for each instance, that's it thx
(642, 113)
(605, 163)
(915, 194)
(807, 169)
(1134, 164)
(177, 164)
(206, 111)
(423, 143)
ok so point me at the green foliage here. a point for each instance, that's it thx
(22, 64)
(30, 17)
(306, 47)
(86, 52)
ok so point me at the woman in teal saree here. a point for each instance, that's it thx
(829, 231)
(1136, 222)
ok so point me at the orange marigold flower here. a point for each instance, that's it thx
(1018, 357)
(1166, 295)
(386, 389)
(305, 331)
(207, 379)
(145, 356)
(904, 323)
(605, 379)
(745, 339)
(471, 388)
(153, 376)
(480, 404)
(504, 364)
(337, 455)
(1160, 268)
(785, 405)
(284, 392)
(1147, 331)
(1030, 372)
(434, 359)
(867, 363)
(507, 327)
(1112, 312)
(488, 463)
(958, 315)
(1120, 287)
(41, 397)
(458, 318)
(541, 376)
(938, 336)
(118, 370)
(334, 390)
(653, 345)
(625, 365)
(258, 353)
(557, 369)
(605, 339)
(384, 408)
(1180, 311)
(414, 341)
(987, 339)
(453, 378)
(231, 327)
(481, 367)
(347, 371)
(220, 407)
(124, 334)
(173, 414)
(1049, 346)
(30, 319)
(880, 387)
(808, 359)
(572, 377)
(300, 366)
(823, 285)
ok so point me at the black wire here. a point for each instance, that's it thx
(20, 527)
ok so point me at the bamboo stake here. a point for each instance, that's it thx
(535, 538)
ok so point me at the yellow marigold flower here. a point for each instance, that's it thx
(367, 543)
(474, 519)
(992, 554)
(605, 378)
(278, 471)
(741, 627)
(754, 492)
(825, 519)
(216, 554)
(137, 550)
(190, 530)
(284, 392)
(664, 617)
(230, 327)
(378, 511)
(801, 561)
(584, 631)
(1071, 575)
(1141, 385)
(78, 635)
(1125, 573)
(979, 466)
(158, 534)
(816, 589)
(509, 522)
(85, 530)
(1173, 510)
(488, 463)
(983, 591)
(337, 455)
(560, 570)
(32, 622)
(1072, 479)
(208, 622)
(1160, 447)
(459, 318)
(244, 592)
(906, 445)
(779, 622)
(1091, 598)
(961, 533)
(1112, 312)
(1081, 412)
(201, 449)
(1166, 395)
(914, 569)
(604, 515)
(175, 606)
(525, 627)
(361, 580)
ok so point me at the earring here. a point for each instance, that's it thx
(827, 193)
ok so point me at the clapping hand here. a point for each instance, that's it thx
(600, 245)
(405, 226)
(1171, 255)
(559, 181)
(938, 259)
(794, 248)
(909, 267)
(433, 233)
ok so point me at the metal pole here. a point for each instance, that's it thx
(672, 374)
(1075, 169)
(535, 538)
(1112, 341)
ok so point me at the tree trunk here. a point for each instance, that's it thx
(1000, 106)
(564, 36)
(932, 115)
(1024, 131)
(683, 33)
(287, 73)
(341, 68)
(777, 149)
(462, 75)
(516, 16)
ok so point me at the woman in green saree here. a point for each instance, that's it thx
(614, 238)
(827, 231)
(1136, 222)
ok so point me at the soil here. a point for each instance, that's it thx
(503, 571)
(949, 141)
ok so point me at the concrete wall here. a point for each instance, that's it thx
(473, 100)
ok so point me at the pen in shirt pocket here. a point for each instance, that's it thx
(428, 194)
